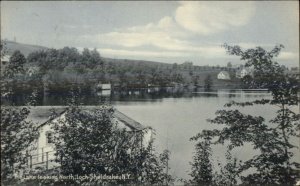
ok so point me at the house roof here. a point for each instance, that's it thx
(5, 58)
(134, 125)
(224, 72)
(41, 115)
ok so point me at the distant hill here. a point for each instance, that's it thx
(27, 49)
(187, 72)
(137, 62)
(23, 48)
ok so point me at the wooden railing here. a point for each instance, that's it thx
(44, 159)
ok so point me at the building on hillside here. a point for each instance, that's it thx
(103, 89)
(243, 72)
(32, 70)
(224, 75)
(5, 59)
(4, 62)
(42, 152)
(103, 86)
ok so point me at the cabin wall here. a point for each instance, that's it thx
(43, 145)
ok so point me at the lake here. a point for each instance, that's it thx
(176, 120)
(176, 116)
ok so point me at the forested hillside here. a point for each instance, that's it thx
(70, 66)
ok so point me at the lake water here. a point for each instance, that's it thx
(176, 120)
(176, 116)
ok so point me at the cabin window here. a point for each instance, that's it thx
(49, 138)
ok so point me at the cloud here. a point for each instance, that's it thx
(211, 17)
(288, 55)
(206, 52)
(158, 40)
(248, 45)
(175, 35)
(172, 37)
(165, 34)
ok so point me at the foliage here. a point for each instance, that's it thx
(91, 68)
(3, 48)
(91, 58)
(89, 141)
(208, 82)
(16, 136)
(154, 169)
(228, 174)
(15, 66)
(272, 139)
(56, 69)
(54, 59)
(229, 65)
(17, 132)
(202, 166)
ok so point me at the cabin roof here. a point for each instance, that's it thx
(224, 72)
(5, 58)
(134, 125)
(41, 115)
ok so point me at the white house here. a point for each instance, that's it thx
(243, 72)
(32, 70)
(224, 75)
(43, 153)
(104, 86)
(4, 62)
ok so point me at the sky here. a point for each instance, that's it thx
(165, 31)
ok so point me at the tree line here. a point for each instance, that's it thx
(69, 66)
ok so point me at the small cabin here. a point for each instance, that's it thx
(103, 86)
(43, 153)
(224, 75)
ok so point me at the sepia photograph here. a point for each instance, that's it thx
(150, 93)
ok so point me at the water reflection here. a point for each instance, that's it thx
(154, 94)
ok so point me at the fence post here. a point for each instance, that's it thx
(47, 160)
(27, 158)
(61, 160)
(30, 161)
(42, 154)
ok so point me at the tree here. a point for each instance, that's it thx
(15, 66)
(208, 82)
(95, 59)
(228, 174)
(91, 58)
(3, 48)
(229, 65)
(202, 165)
(90, 142)
(16, 136)
(17, 133)
(274, 163)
